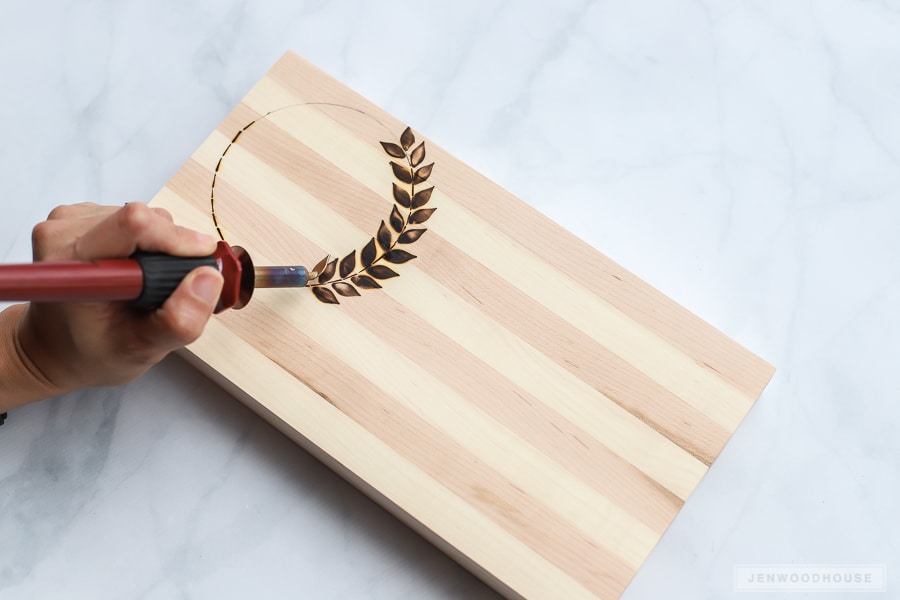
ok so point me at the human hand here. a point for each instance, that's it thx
(67, 346)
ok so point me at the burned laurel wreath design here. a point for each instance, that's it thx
(363, 269)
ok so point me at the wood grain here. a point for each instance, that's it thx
(528, 405)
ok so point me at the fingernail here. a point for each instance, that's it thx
(207, 286)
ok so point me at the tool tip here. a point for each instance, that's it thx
(281, 277)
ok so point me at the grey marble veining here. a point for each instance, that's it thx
(743, 157)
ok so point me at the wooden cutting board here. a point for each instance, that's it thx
(528, 405)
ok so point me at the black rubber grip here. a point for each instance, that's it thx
(163, 273)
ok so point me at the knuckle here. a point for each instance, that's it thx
(41, 237)
(68, 211)
(164, 214)
(135, 217)
(41, 232)
(60, 212)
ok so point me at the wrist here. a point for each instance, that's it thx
(21, 381)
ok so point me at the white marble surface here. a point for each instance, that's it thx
(744, 157)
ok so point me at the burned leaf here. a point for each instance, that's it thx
(328, 272)
(424, 173)
(320, 265)
(384, 237)
(344, 289)
(422, 215)
(381, 272)
(421, 198)
(401, 195)
(325, 295)
(348, 263)
(393, 150)
(398, 256)
(403, 173)
(365, 282)
(407, 138)
(396, 220)
(418, 155)
(367, 254)
(408, 237)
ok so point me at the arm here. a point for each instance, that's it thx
(50, 349)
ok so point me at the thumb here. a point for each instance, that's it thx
(182, 317)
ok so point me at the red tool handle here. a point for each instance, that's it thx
(146, 279)
(108, 279)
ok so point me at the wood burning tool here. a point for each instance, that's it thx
(145, 279)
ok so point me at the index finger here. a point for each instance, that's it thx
(139, 227)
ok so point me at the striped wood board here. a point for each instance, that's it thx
(528, 405)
